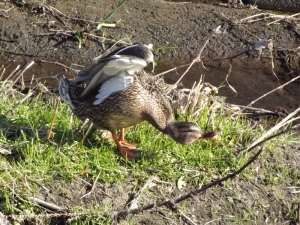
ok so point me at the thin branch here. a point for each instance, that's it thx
(47, 205)
(189, 220)
(10, 75)
(170, 70)
(42, 186)
(212, 221)
(197, 59)
(84, 137)
(278, 88)
(2, 67)
(70, 18)
(22, 217)
(277, 127)
(50, 133)
(134, 203)
(57, 63)
(93, 187)
(200, 190)
(20, 74)
(8, 113)
(75, 132)
(283, 17)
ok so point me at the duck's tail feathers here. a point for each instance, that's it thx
(63, 89)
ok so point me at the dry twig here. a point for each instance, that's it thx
(47, 205)
(149, 183)
(278, 88)
(8, 113)
(50, 132)
(75, 132)
(57, 63)
(197, 59)
(84, 137)
(93, 187)
(19, 75)
(10, 75)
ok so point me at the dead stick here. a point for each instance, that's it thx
(192, 193)
(170, 70)
(57, 63)
(8, 113)
(21, 74)
(2, 67)
(183, 215)
(47, 205)
(230, 176)
(84, 137)
(254, 145)
(174, 85)
(197, 59)
(50, 133)
(134, 202)
(42, 216)
(287, 120)
(277, 127)
(256, 15)
(285, 17)
(93, 187)
(10, 75)
(76, 131)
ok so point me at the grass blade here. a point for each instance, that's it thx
(110, 15)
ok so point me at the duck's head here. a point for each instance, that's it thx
(137, 50)
(141, 51)
(186, 133)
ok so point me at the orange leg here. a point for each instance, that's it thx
(126, 149)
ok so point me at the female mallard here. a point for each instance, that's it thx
(120, 94)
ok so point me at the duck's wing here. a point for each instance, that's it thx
(69, 92)
(115, 83)
(101, 70)
(63, 90)
(89, 71)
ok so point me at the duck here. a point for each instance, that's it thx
(119, 94)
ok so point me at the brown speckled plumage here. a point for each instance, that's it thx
(143, 100)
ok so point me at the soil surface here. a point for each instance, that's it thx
(52, 30)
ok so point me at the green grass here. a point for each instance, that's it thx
(37, 161)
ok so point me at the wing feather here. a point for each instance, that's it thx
(116, 83)
(117, 64)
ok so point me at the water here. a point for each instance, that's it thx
(249, 83)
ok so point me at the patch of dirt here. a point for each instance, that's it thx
(241, 201)
(37, 31)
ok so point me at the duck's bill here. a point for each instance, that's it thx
(208, 135)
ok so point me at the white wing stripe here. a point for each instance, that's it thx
(116, 83)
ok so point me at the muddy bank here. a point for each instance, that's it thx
(282, 5)
(54, 30)
(279, 5)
